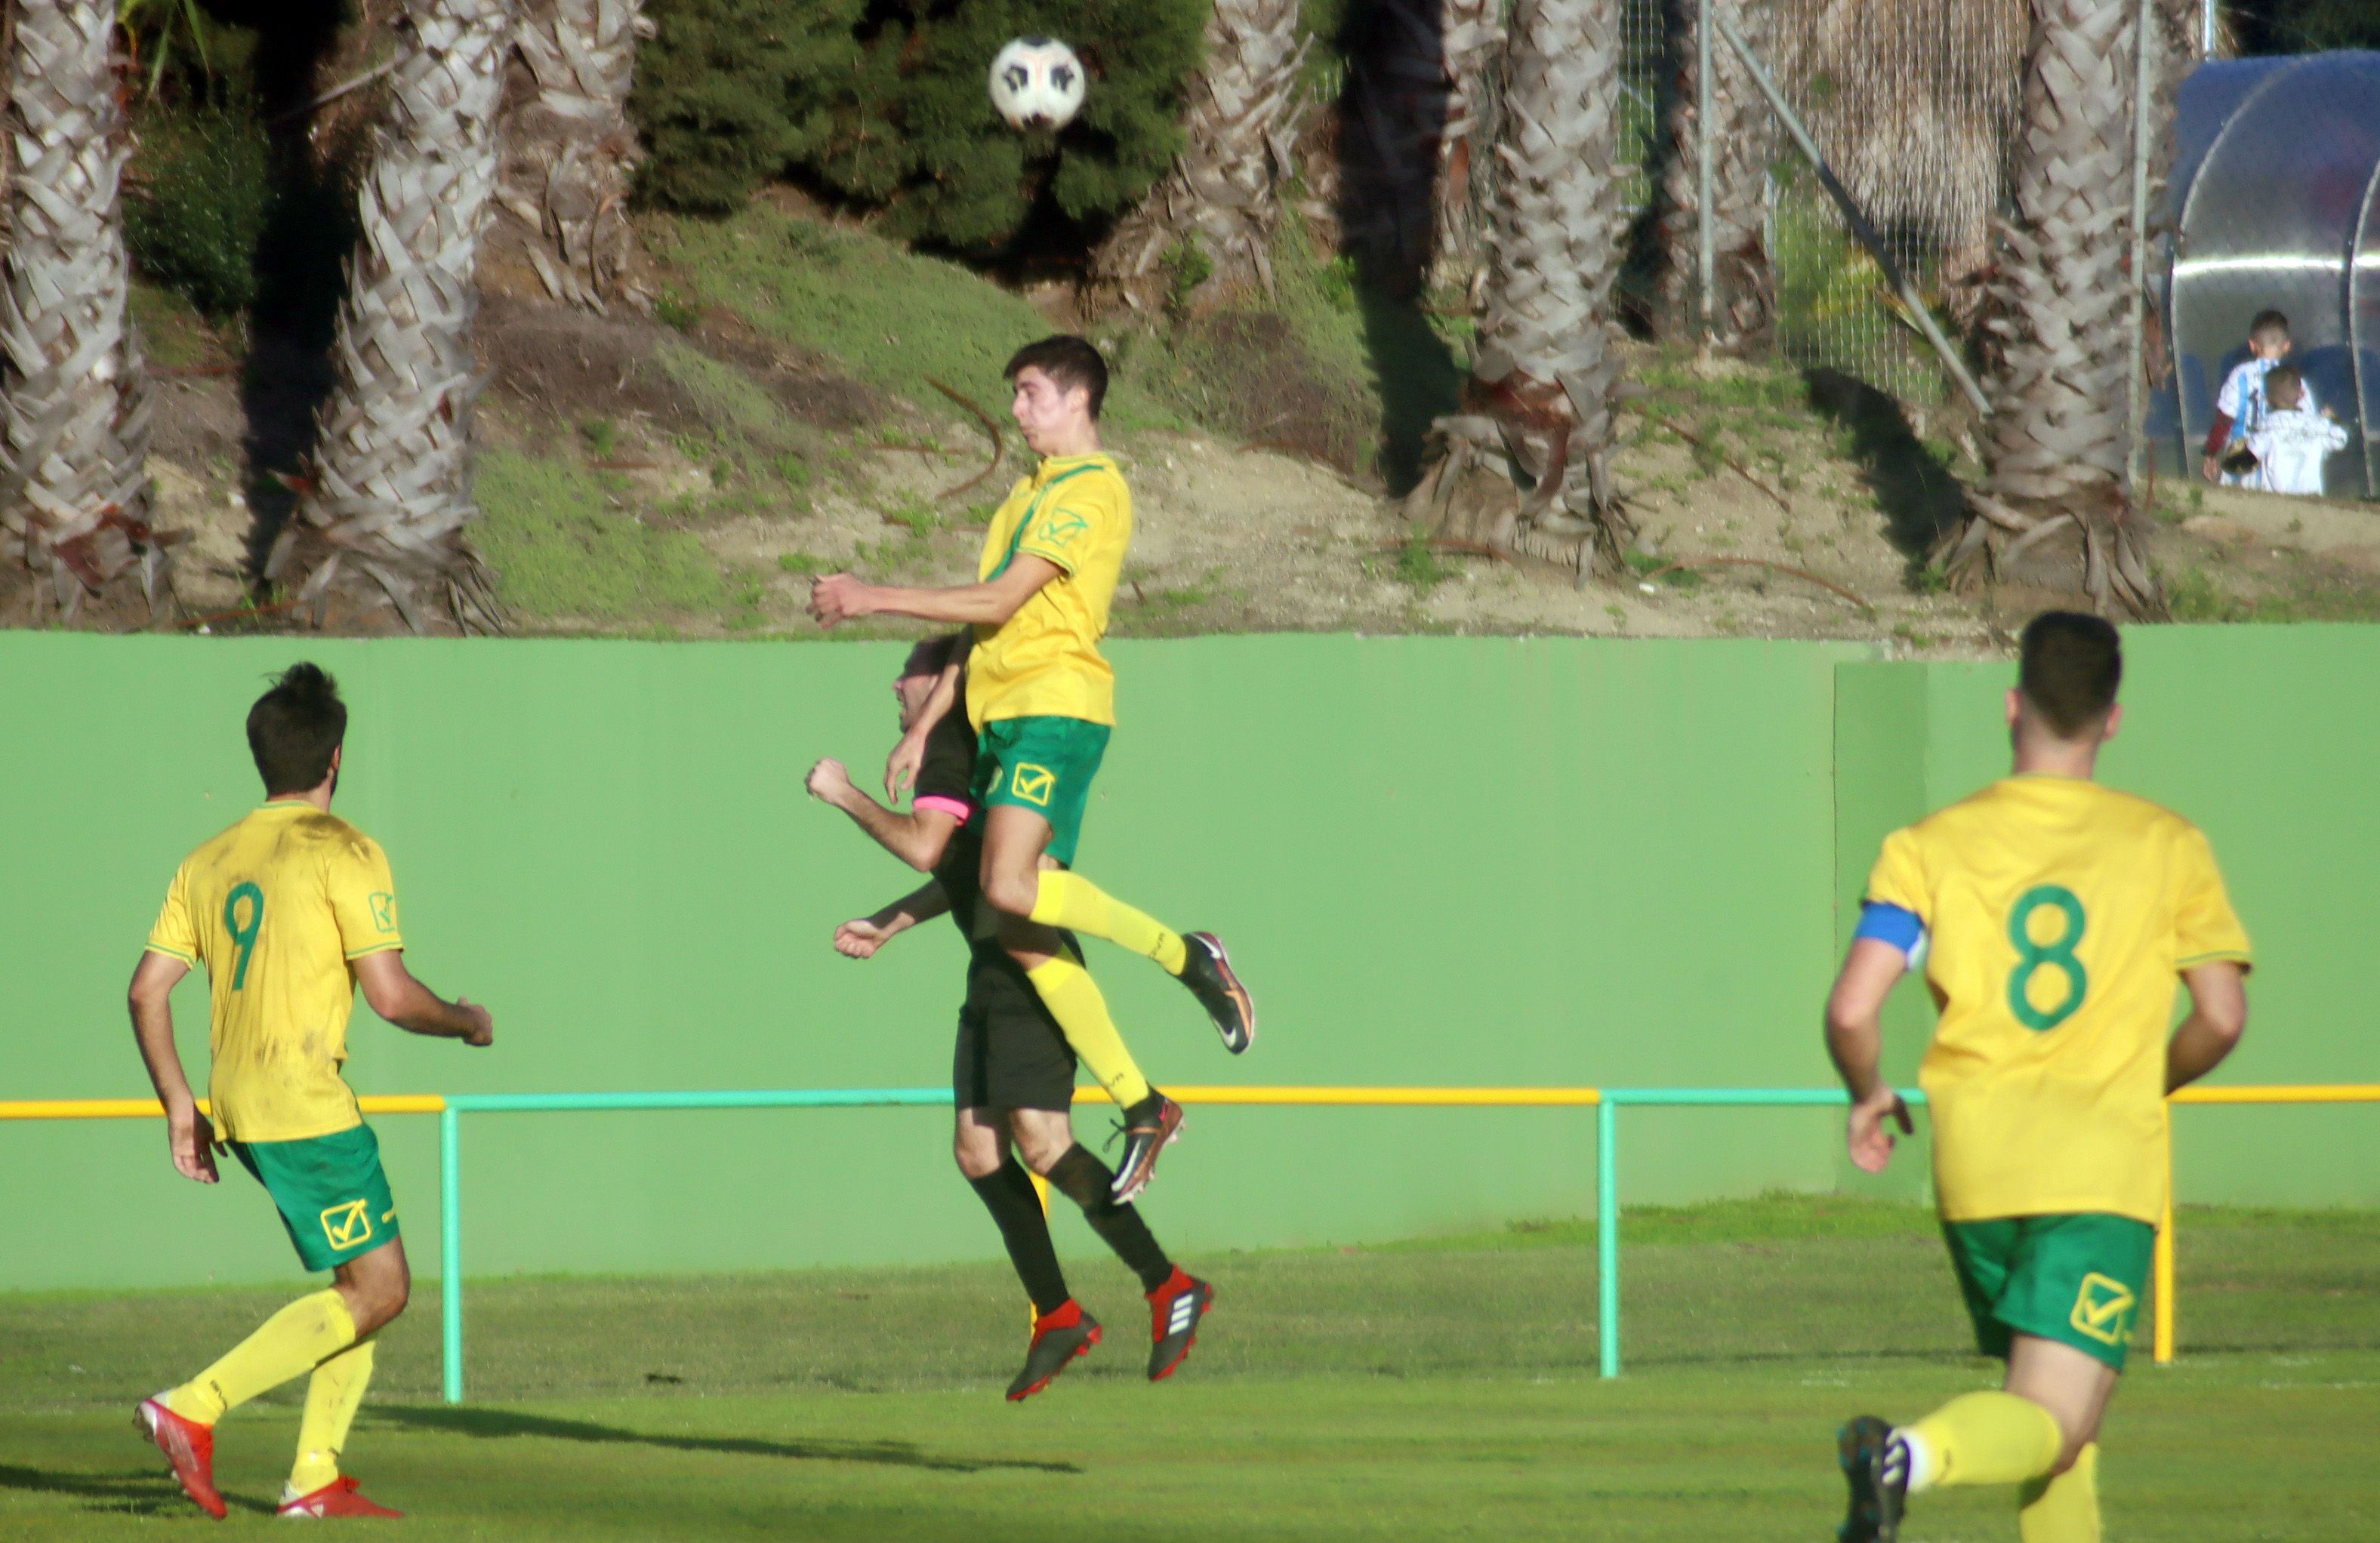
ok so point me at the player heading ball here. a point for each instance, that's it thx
(1041, 698)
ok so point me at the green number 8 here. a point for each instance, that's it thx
(243, 936)
(2032, 956)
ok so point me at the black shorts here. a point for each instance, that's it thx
(1011, 1053)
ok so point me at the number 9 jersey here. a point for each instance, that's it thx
(2055, 915)
(276, 908)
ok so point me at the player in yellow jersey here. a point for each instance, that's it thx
(2052, 916)
(289, 910)
(1042, 702)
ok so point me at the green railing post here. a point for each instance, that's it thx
(450, 1249)
(1607, 1233)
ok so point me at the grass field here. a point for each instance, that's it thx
(1440, 1389)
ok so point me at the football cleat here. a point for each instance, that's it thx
(189, 1446)
(1057, 1338)
(1207, 970)
(1150, 1126)
(1175, 1309)
(1875, 1465)
(338, 1498)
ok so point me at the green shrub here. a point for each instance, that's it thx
(728, 91)
(914, 130)
(196, 205)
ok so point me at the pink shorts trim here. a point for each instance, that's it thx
(957, 808)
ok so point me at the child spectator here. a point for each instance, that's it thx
(2240, 406)
(2292, 441)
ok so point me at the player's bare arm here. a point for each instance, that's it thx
(396, 996)
(917, 837)
(2218, 1016)
(860, 938)
(842, 597)
(1855, 1044)
(188, 1135)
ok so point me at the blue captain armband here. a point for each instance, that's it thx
(1897, 925)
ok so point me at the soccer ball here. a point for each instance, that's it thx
(1036, 83)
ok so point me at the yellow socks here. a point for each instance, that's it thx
(330, 1401)
(2065, 1509)
(1071, 901)
(1081, 1008)
(1983, 1439)
(295, 1340)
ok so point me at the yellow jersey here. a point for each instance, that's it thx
(276, 908)
(2058, 913)
(1044, 660)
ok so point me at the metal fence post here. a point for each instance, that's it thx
(450, 1250)
(1607, 1233)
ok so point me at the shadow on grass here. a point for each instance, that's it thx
(136, 1492)
(495, 1424)
(1921, 499)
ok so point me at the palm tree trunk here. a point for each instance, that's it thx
(2059, 428)
(1471, 40)
(384, 506)
(1742, 141)
(570, 150)
(1538, 403)
(74, 431)
(1222, 195)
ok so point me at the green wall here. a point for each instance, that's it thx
(1439, 860)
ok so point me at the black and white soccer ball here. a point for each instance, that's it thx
(1036, 83)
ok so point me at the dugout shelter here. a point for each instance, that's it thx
(2273, 201)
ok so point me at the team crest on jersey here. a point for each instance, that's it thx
(384, 910)
(1033, 783)
(1061, 529)
(346, 1225)
(2103, 1309)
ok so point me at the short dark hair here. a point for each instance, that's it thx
(2068, 668)
(2283, 387)
(932, 655)
(2270, 326)
(1071, 361)
(292, 729)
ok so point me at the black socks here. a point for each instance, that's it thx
(1085, 1180)
(1008, 1194)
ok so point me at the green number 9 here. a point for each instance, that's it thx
(2032, 956)
(243, 934)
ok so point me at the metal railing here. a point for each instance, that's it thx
(1606, 1102)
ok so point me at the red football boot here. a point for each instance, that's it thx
(1057, 1338)
(1175, 1309)
(189, 1446)
(338, 1498)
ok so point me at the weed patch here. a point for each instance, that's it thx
(561, 550)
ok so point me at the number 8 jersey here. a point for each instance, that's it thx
(276, 908)
(2055, 914)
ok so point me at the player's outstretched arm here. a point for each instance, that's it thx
(411, 1006)
(2218, 1016)
(1855, 1043)
(842, 597)
(862, 938)
(917, 838)
(188, 1135)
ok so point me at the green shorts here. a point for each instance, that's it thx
(1045, 765)
(333, 1195)
(2077, 1279)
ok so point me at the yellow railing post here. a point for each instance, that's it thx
(2163, 1332)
